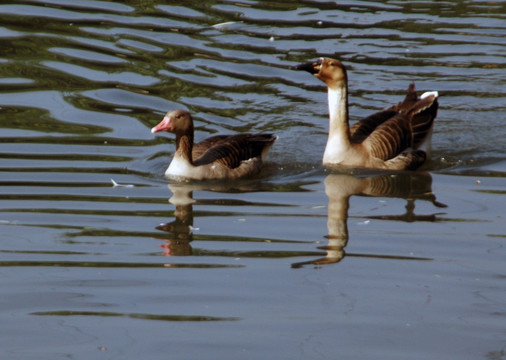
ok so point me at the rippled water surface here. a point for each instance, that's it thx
(298, 263)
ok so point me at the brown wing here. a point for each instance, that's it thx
(390, 138)
(230, 150)
(406, 125)
(422, 114)
(363, 128)
(200, 148)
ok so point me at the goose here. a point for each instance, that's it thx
(397, 138)
(218, 157)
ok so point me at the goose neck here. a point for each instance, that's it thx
(184, 145)
(338, 110)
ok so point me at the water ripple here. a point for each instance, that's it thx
(93, 234)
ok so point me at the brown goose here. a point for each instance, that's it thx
(397, 138)
(218, 157)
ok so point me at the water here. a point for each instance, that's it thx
(301, 262)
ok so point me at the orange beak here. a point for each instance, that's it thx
(164, 125)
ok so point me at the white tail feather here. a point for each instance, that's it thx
(429, 93)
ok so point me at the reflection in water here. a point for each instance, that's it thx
(340, 187)
(81, 84)
(181, 229)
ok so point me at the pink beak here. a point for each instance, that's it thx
(164, 125)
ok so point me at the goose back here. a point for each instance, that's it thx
(363, 128)
(200, 148)
(390, 138)
(233, 149)
(405, 125)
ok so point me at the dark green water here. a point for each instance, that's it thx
(299, 263)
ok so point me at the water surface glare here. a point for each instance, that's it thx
(101, 256)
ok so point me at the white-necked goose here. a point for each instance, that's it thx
(397, 138)
(217, 157)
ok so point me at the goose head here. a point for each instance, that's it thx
(331, 71)
(175, 121)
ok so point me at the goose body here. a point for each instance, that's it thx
(397, 138)
(218, 157)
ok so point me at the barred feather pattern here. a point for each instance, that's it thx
(389, 139)
(363, 128)
(200, 148)
(233, 149)
(405, 185)
(423, 115)
(405, 125)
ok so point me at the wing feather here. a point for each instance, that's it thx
(405, 125)
(231, 150)
(363, 128)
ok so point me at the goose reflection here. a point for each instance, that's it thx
(339, 189)
(181, 228)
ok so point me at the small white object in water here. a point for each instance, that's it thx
(192, 229)
(271, 39)
(223, 24)
(115, 184)
(365, 222)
